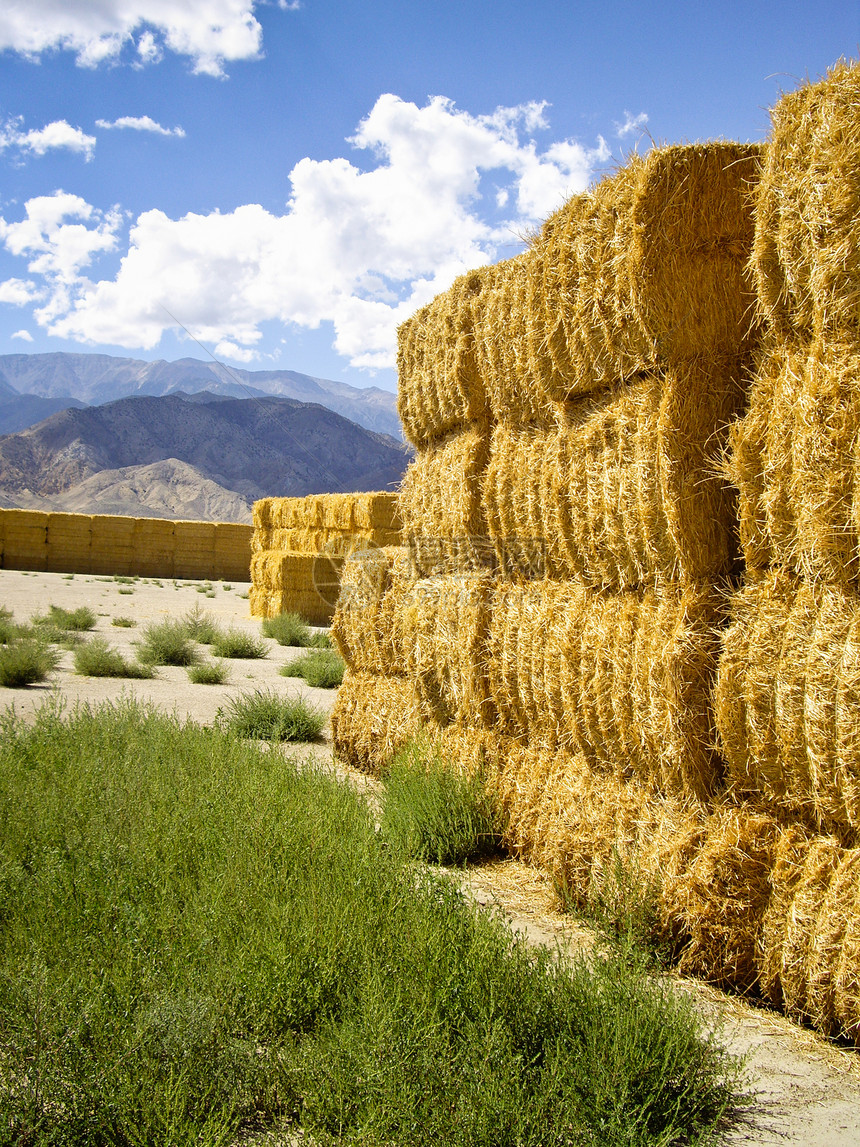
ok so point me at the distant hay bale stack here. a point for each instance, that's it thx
(624, 490)
(25, 540)
(623, 680)
(113, 549)
(787, 700)
(373, 717)
(69, 542)
(367, 626)
(155, 545)
(439, 385)
(294, 583)
(194, 549)
(806, 255)
(440, 505)
(232, 551)
(647, 267)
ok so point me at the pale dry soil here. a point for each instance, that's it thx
(802, 1089)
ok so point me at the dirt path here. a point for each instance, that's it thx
(804, 1090)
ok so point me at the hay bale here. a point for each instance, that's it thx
(25, 540)
(373, 717)
(439, 385)
(445, 622)
(376, 513)
(720, 897)
(790, 853)
(69, 542)
(624, 680)
(794, 458)
(645, 268)
(155, 547)
(232, 551)
(828, 947)
(624, 489)
(367, 626)
(440, 505)
(806, 254)
(787, 700)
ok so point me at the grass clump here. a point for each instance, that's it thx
(237, 643)
(201, 626)
(288, 629)
(320, 668)
(9, 628)
(434, 813)
(95, 658)
(167, 643)
(124, 622)
(267, 716)
(200, 938)
(64, 626)
(26, 661)
(209, 673)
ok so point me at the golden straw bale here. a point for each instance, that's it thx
(440, 505)
(625, 488)
(445, 621)
(261, 514)
(827, 944)
(337, 512)
(373, 717)
(787, 697)
(790, 853)
(439, 385)
(368, 622)
(377, 512)
(308, 604)
(624, 680)
(69, 542)
(806, 254)
(817, 870)
(647, 267)
(720, 898)
(280, 570)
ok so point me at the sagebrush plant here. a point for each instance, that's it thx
(26, 661)
(288, 629)
(237, 643)
(201, 626)
(209, 673)
(320, 668)
(200, 937)
(167, 643)
(267, 716)
(124, 622)
(433, 811)
(9, 629)
(95, 658)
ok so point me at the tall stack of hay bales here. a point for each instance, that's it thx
(298, 546)
(788, 693)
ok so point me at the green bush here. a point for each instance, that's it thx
(26, 662)
(237, 643)
(124, 622)
(95, 658)
(78, 620)
(201, 626)
(201, 938)
(167, 643)
(268, 716)
(9, 629)
(209, 673)
(288, 629)
(435, 813)
(323, 668)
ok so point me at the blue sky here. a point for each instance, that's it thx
(289, 180)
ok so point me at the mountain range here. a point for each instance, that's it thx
(64, 379)
(201, 455)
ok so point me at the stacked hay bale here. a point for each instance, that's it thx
(788, 694)
(298, 546)
(25, 539)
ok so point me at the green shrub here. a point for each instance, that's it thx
(237, 643)
(58, 623)
(167, 643)
(95, 658)
(323, 668)
(435, 813)
(201, 626)
(26, 662)
(124, 622)
(209, 673)
(267, 716)
(9, 629)
(288, 629)
(201, 939)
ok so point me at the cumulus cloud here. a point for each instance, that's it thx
(209, 32)
(632, 125)
(359, 247)
(141, 123)
(25, 336)
(54, 136)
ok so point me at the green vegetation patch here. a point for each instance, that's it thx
(321, 668)
(95, 658)
(200, 939)
(167, 643)
(237, 643)
(209, 673)
(26, 661)
(267, 716)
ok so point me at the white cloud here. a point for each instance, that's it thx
(633, 124)
(360, 248)
(19, 292)
(141, 123)
(209, 32)
(25, 336)
(52, 137)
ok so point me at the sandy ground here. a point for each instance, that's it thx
(802, 1089)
